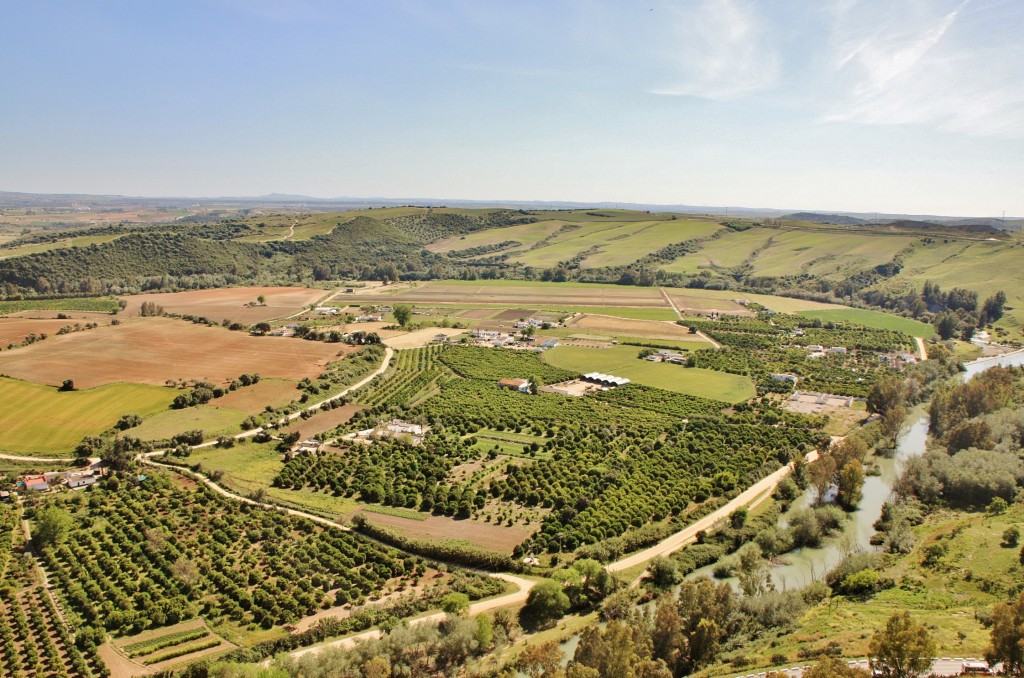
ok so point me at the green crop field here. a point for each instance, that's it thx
(622, 361)
(877, 319)
(730, 249)
(528, 234)
(618, 243)
(827, 255)
(48, 421)
(96, 304)
(212, 421)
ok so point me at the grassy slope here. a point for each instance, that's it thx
(528, 234)
(79, 241)
(944, 596)
(728, 250)
(828, 255)
(48, 421)
(212, 421)
(622, 361)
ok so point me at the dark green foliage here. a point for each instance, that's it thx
(147, 569)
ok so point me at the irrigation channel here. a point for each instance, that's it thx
(805, 565)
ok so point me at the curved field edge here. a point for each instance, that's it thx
(47, 420)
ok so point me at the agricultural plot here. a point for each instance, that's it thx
(212, 421)
(230, 303)
(825, 254)
(181, 643)
(91, 304)
(34, 640)
(527, 234)
(729, 250)
(202, 555)
(154, 350)
(520, 294)
(605, 242)
(78, 241)
(15, 330)
(698, 302)
(876, 319)
(48, 421)
(622, 361)
(983, 267)
(645, 329)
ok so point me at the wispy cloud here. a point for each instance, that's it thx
(925, 62)
(722, 51)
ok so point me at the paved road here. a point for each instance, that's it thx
(689, 533)
(941, 666)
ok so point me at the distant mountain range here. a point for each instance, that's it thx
(73, 201)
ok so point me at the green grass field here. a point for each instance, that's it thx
(51, 422)
(79, 241)
(730, 249)
(528, 234)
(213, 421)
(95, 304)
(826, 254)
(876, 319)
(618, 242)
(622, 361)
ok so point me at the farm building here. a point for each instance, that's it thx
(664, 356)
(369, 318)
(606, 380)
(80, 482)
(5, 496)
(521, 385)
(327, 310)
(791, 378)
(836, 350)
(35, 484)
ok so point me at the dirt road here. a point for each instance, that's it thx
(689, 533)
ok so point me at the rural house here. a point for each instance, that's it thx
(521, 385)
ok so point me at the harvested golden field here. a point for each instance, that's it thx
(230, 303)
(154, 350)
(420, 338)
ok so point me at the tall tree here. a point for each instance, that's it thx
(1008, 635)
(851, 484)
(402, 313)
(903, 649)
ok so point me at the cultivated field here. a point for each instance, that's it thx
(729, 250)
(825, 254)
(79, 241)
(14, 330)
(230, 303)
(527, 234)
(489, 536)
(48, 421)
(622, 361)
(646, 329)
(154, 350)
(253, 399)
(882, 321)
(323, 421)
(512, 294)
(211, 420)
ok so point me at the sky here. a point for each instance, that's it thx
(899, 106)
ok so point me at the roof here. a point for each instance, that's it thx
(606, 378)
(513, 382)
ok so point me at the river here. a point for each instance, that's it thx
(805, 565)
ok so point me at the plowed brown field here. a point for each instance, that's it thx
(153, 350)
(230, 303)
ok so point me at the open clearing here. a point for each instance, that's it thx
(647, 329)
(212, 421)
(322, 421)
(729, 250)
(47, 420)
(527, 234)
(882, 321)
(489, 536)
(622, 361)
(825, 254)
(78, 241)
(154, 350)
(253, 399)
(230, 303)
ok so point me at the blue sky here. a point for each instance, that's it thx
(912, 106)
